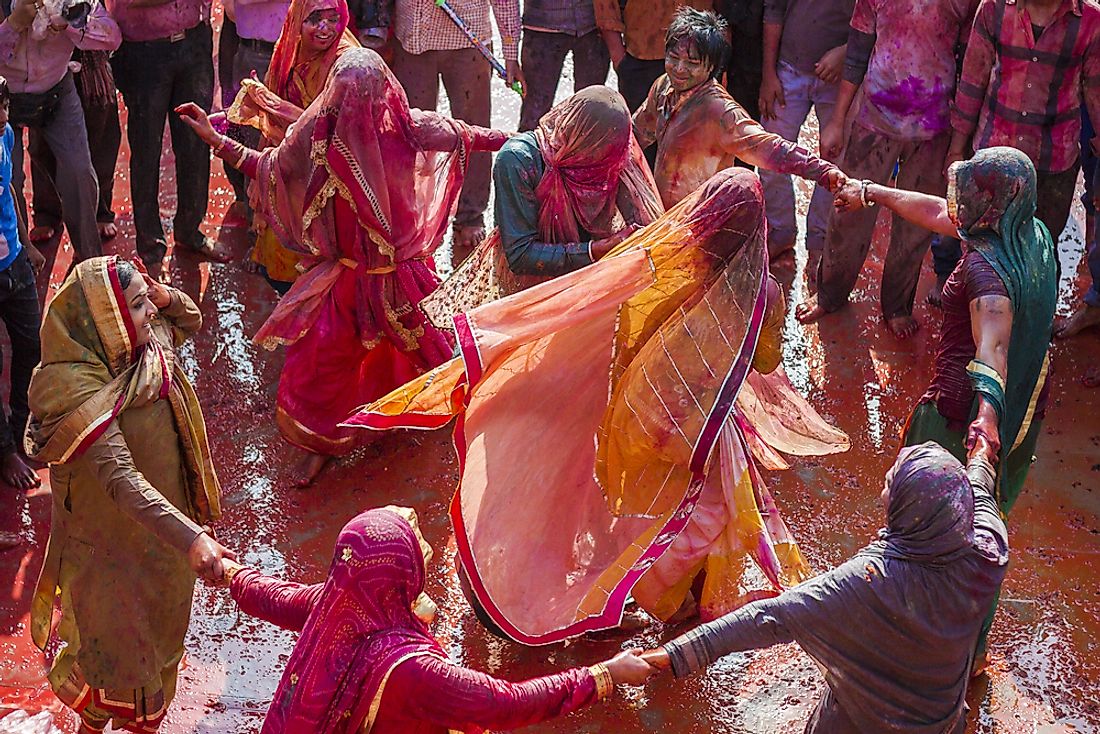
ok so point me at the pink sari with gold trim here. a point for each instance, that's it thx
(601, 408)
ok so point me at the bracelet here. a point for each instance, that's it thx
(605, 684)
(230, 572)
(863, 186)
(220, 147)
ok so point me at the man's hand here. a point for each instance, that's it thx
(515, 74)
(984, 428)
(771, 96)
(600, 248)
(36, 258)
(953, 157)
(848, 198)
(835, 180)
(206, 556)
(831, 65)
(831, 142)
(615, 47)
(628, 668)
(22, 14)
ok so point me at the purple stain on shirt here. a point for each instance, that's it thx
(913, 98)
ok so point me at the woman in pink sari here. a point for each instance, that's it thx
(364, 187)
(365, 662)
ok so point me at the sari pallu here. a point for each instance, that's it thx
(600, 396)
(365, 188)
(124, 639)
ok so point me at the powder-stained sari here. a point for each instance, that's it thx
(297, 81)
(603, 408)
(363, 187)
(365, 662)
(123, 516)
(594, 182)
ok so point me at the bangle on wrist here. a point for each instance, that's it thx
(864, 198)
(605, 684)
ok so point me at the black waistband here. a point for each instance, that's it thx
(257, 43)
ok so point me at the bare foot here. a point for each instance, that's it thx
(43, 233)
(17, 474)
(810, 311)
(935, 296)
(1091, 378)
(309, 468)
(107, 231)
(1083, 318)
(902, 327)
(979, 666)
(9, 540)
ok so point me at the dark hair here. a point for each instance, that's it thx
(126, 271)
(5, 93)
(704, 30)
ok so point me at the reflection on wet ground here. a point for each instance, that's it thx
(1047, 671)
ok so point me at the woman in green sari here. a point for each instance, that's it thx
(998, 309)
(133, 490)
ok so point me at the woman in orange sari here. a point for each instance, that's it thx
(624, 404)
(315, 34)
(363, 187)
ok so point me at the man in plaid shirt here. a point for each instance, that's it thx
(430, 47)
(1029, 67)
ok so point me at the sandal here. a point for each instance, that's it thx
(107, 231)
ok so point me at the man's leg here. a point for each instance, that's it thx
(1056, 199)
(542, 60)
(591, 61)
(247, 60)
(22, 317)
(867, 155)
(194, 82)
(823, 97)
(103, 127)
(419, 75)
(466, 79)
(778, 192)
(921, 170)
(67, 136)
(636, 76)
(147, 97)
(45, 206)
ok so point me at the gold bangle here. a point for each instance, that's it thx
(605, 684)
(230, 572)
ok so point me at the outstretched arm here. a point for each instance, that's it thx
(923, 210)
(283, 603)
(751, 627)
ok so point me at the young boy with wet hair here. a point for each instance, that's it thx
(698, 127)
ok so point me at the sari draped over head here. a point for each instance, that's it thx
(360, 142)
(606, 399)
(994, 194)
(360, 629)
(92, 370)
(595, 181)
(894, 627)
(297, 79)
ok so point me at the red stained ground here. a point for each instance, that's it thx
(1047, 672)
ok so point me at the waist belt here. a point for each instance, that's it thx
(258, 44)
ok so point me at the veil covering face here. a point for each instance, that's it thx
(597, 410)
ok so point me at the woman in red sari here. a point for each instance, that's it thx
(363, 187)
(365, 662)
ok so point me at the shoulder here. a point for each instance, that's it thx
(980, 277)
(519, 157)
(9, 138)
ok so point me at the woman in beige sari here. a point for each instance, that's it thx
(133, 492)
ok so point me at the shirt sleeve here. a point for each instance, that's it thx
(748, 140)
(184, 314)
(977, 66)
(751, 627)
(981, 279)
(9, 40)
(283, 603)
(453, 697)
(131, 491)
(1090, 82)
(100, 33)
(517, 216)
(506, 14)
(609, 15)
(990, 533)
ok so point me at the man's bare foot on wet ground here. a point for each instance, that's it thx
(902, 327)
(1083, 318)
(309, 468)
(15, 472)
(810, 311)
(1091, 378)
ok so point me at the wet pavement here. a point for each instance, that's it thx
(1046, 676)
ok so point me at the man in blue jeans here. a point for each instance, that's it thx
(21, 314)
(1087, 314)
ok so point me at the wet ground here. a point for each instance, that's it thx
(1046, 676)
